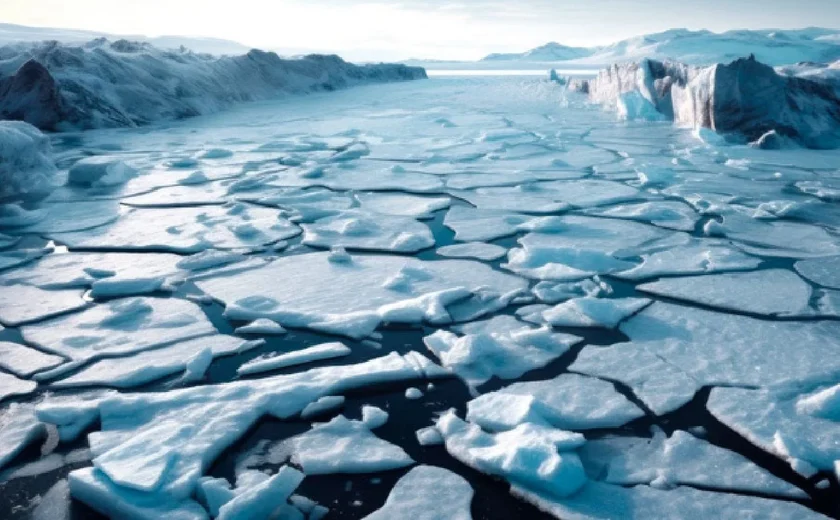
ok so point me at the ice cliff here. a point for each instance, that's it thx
(744, 100)
(115, 84)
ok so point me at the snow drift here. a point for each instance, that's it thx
(117, 84)
(744, 100)
(25, 165)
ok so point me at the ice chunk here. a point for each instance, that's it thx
(822, 271)
(151, 365)
(207, 259)
(554, 292)
(569, 401)
(25, 361)
(799, 428)
(291, 291)
(263, 499)
(18, 428)
(354, 229)
(477, 250)
(118, 327)
(502, 347)
(185, 230)
(429, 436)
(593, 312)
(401, 204)
(297, 357)
(676, 350)
(427, 493)
(55, 504)
(679, 460)
(261, 326)
(536, 456)
(322, 406)
(21, 304)
(631, 106)
(98, 171)
(374, 417)
(344, 446)
(413, 393)
(700, 256)
(26, 169)
(745, 292)
(11, 385)
(666, 214)
(11, 259)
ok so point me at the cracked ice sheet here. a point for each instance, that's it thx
(118, 327)
(151, 365)
(296, 357)
(18, 428)
(359, 176)
(770, 292)
(679, 460)
(664, 213)
(580, 247)
(797, 425)
(59, 218)
(11, 385)
(778, 238)
(361, 230)
(674, 351)
(569, 402)
(476, 250)
(344, 446)
(596, 501)
(821, 271)
(427, 493)
(24, 361)
(185, 230)
(401, 204)
(502, 346)
(175, 436)
(363, 290)
(698, 256)
(21, 304)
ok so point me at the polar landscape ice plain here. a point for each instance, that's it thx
(463, 297)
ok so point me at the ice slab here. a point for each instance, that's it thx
(360, 176)
(59, 218)
(530, 454)
(266, 498)
(477, 250)
(597, 500)
(772, 292)
(355, 229)
(185, 230)
(675, 350)
(298, 357)
(118, 327)
(554, 292)
(151, 365)
(364, 291)
(679, 460)
(11, 385)
(791, 424)
(698, 256)
(18, 428)
(25, 361)
(374, 417)
(401, 204)
(261, 326)
(427, 493)
(344, 446)
(323, 406)
(21, 304)
(821, 271)
(502, 346)
(666, 214)
(569, 402)
(593, 312)
(778, 238)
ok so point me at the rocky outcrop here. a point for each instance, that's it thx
(744, 100)
(102, 84)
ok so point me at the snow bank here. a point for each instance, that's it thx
(744, 99)
(122, 83)
(26, 168)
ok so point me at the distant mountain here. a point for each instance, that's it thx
(10, 33)
(771, 46)
(549, 52)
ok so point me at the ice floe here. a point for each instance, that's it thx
(427, 493)
(593, 312)
(25, 361)
(297, 357)
(354, 229)
(477, 250)
(21, 304)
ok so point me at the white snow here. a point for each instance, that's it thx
(344, 446)
(822, 271)
(298, 357)
(427, 493)
(569, 402)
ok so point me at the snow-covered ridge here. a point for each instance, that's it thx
(771, 46)
(114, 84)
(745, 100)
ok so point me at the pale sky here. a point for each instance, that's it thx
(399, 29)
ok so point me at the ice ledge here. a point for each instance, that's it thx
(745, 100)
(54, 86)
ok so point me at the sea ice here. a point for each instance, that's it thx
(769, 292)
(100, 171)
(261, 326)
(298, 357)
(569, 402)
(364, 291)
(477, 250)
(323, 406)
(20, 304)
(374, 417)
(25, 361)
(427, 493)
(344, 446)
(18, 428)
(666, 214)
(699, 256)
(502, 346)
(593, 312)
(822, 271)
(354, 229)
